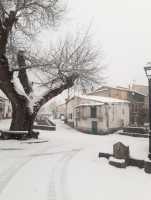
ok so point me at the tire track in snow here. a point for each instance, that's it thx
(63, 178)
(12, 170)
(58, 178)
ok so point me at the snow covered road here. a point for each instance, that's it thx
(66, 167)
(34, 170)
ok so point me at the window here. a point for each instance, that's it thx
(70, 115)
(1, 107)
(93, 111)
(77, 115)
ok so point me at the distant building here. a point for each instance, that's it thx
(2, 107)
(95, 114)
(5, 106)
(142, 89)
(7, 109)
(138, 101)
(44, 113)
(61, 111)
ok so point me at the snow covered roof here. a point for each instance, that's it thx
(140, 93)
(102, 99)
(104, 87)
(90, 104)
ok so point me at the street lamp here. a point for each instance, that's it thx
(147, 69)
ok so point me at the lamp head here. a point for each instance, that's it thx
(147, 69)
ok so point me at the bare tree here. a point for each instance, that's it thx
(72, 60)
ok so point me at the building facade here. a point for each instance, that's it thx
(138, 102)
(97, 115)
(61, 111)
(5, 107)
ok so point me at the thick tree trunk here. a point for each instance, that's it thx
(22, 118)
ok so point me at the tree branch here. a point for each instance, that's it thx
(58, 90)
(22, 75)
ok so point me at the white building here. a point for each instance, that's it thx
(61, 111)
(96, 114)
(5, 106)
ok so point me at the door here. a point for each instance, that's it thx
(94, 127)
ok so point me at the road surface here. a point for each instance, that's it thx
(64, 165)
(31, 170)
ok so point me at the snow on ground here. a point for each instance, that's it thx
(66, 167)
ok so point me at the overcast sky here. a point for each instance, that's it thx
(122, 28)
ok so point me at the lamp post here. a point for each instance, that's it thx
(147, 69)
